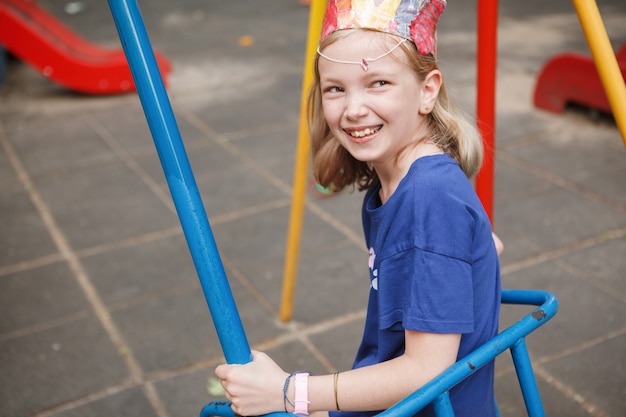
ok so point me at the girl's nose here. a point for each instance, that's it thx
(355, 106)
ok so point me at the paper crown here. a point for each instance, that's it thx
(412, 19)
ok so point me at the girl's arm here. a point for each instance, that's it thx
(257, 388)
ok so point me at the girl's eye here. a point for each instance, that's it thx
(380, 83)
(333, 89)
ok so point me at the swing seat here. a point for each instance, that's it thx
(437, 390)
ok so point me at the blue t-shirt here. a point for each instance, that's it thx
(433, 268)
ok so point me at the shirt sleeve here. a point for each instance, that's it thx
(426, 291)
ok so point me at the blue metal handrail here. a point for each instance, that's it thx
(437, 390)
(511, 338)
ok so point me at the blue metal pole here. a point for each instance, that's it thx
(526, 378)
(180, 179)
(443, 405)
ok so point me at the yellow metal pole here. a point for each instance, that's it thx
(605, 60)
(303, 149)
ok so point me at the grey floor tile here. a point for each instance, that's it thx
(30, 298)
(597, 374)
(187, 393)
(103, 205)
(129, 402)
(604, 262)
(589, 150)
(332, 282)
(23, 234)
(341, 343)
(53, 366)
(273, 150)
(573, 325)
(555, 403)
(127, 274)
(294, 356)
(170, 332)
(559, 217)
(59, 145)
(7, 174)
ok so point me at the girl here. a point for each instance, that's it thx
(381, 121)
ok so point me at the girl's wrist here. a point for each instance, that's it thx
(295, 393)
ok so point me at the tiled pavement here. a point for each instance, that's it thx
(101, 312)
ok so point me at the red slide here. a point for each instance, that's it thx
(572, 78)
(38, 38)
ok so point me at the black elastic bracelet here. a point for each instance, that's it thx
(286, 386)
(285, 399)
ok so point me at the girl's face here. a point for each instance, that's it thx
(374, 114)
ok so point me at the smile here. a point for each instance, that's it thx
(365, 132)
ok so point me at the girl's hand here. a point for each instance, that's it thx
(498, 243)
(255, 388)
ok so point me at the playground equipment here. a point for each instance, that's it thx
(597, 82)
(211, 273)
(573, 78)
(301, 167)
(36, 37)
(486, 66)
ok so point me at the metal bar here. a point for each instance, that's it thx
(526, 378)
(222, 409)
(487, 50)
(443, 405)
(604, 57)
(183, 188)
(294, 236)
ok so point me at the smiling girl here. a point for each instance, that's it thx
(381, 121)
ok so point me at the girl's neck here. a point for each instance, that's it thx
(391, 176)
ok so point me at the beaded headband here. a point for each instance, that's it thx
(364, 62)
(411, 19)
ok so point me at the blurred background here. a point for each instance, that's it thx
(101, 311)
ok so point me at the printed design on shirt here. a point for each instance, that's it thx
(373, 271)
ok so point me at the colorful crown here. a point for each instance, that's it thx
(411, 19)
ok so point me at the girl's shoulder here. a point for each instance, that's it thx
(437, 175)
(433, 182)
(438, 189)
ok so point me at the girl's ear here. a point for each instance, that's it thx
(430, 91)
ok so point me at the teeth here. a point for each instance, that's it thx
(362, 133)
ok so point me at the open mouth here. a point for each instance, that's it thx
(365, 132)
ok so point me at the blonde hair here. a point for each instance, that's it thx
(449, 128)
